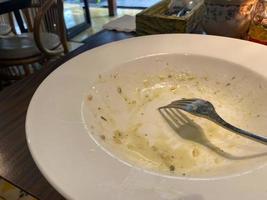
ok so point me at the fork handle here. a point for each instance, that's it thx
(218, 120)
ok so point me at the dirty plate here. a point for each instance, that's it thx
(94, 130)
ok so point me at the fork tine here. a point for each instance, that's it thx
(187, 119)
(169, 118)
(186, 100)
(175, 120)
(181, 106)
(178, 116)
(183, 100)
(165, 107)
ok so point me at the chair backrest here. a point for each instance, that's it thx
(50, 16)
(44, 16)
(5, 19)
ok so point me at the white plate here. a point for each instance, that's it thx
(78, 167)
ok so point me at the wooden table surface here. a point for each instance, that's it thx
(16, 163)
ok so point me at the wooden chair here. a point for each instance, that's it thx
(46, 40)
(112, 7)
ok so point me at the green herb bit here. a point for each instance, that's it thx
(103, 118)
(90, 97)
(119, 90)
(172, 168)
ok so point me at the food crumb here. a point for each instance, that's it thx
(137, 89)
(161, 77)
(142, 113)
(184, 174)
(115, 76)
(117, 140)
(228, 84)
(169, 76)
(102, 137)
(195, 152)
(125, 99)
(145, 82)
(216, 91)
(117, 137)
(99, 108)
(99, 76)
(103, 118)
(258, 115)
(172, 168)
(190, 78)
(117, 133)
(233, 78)
(133, 102)
(119, 90)
(90, 97)
(172, 88)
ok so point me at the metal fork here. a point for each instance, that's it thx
(202, 108)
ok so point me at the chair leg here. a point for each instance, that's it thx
(26, 69)
(13, 73)
(11, 22)
(9, 74)
(44, 63)
(112, 7)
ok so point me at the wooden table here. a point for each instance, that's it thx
(16, 163)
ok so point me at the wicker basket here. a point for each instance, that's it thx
(154, 21)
